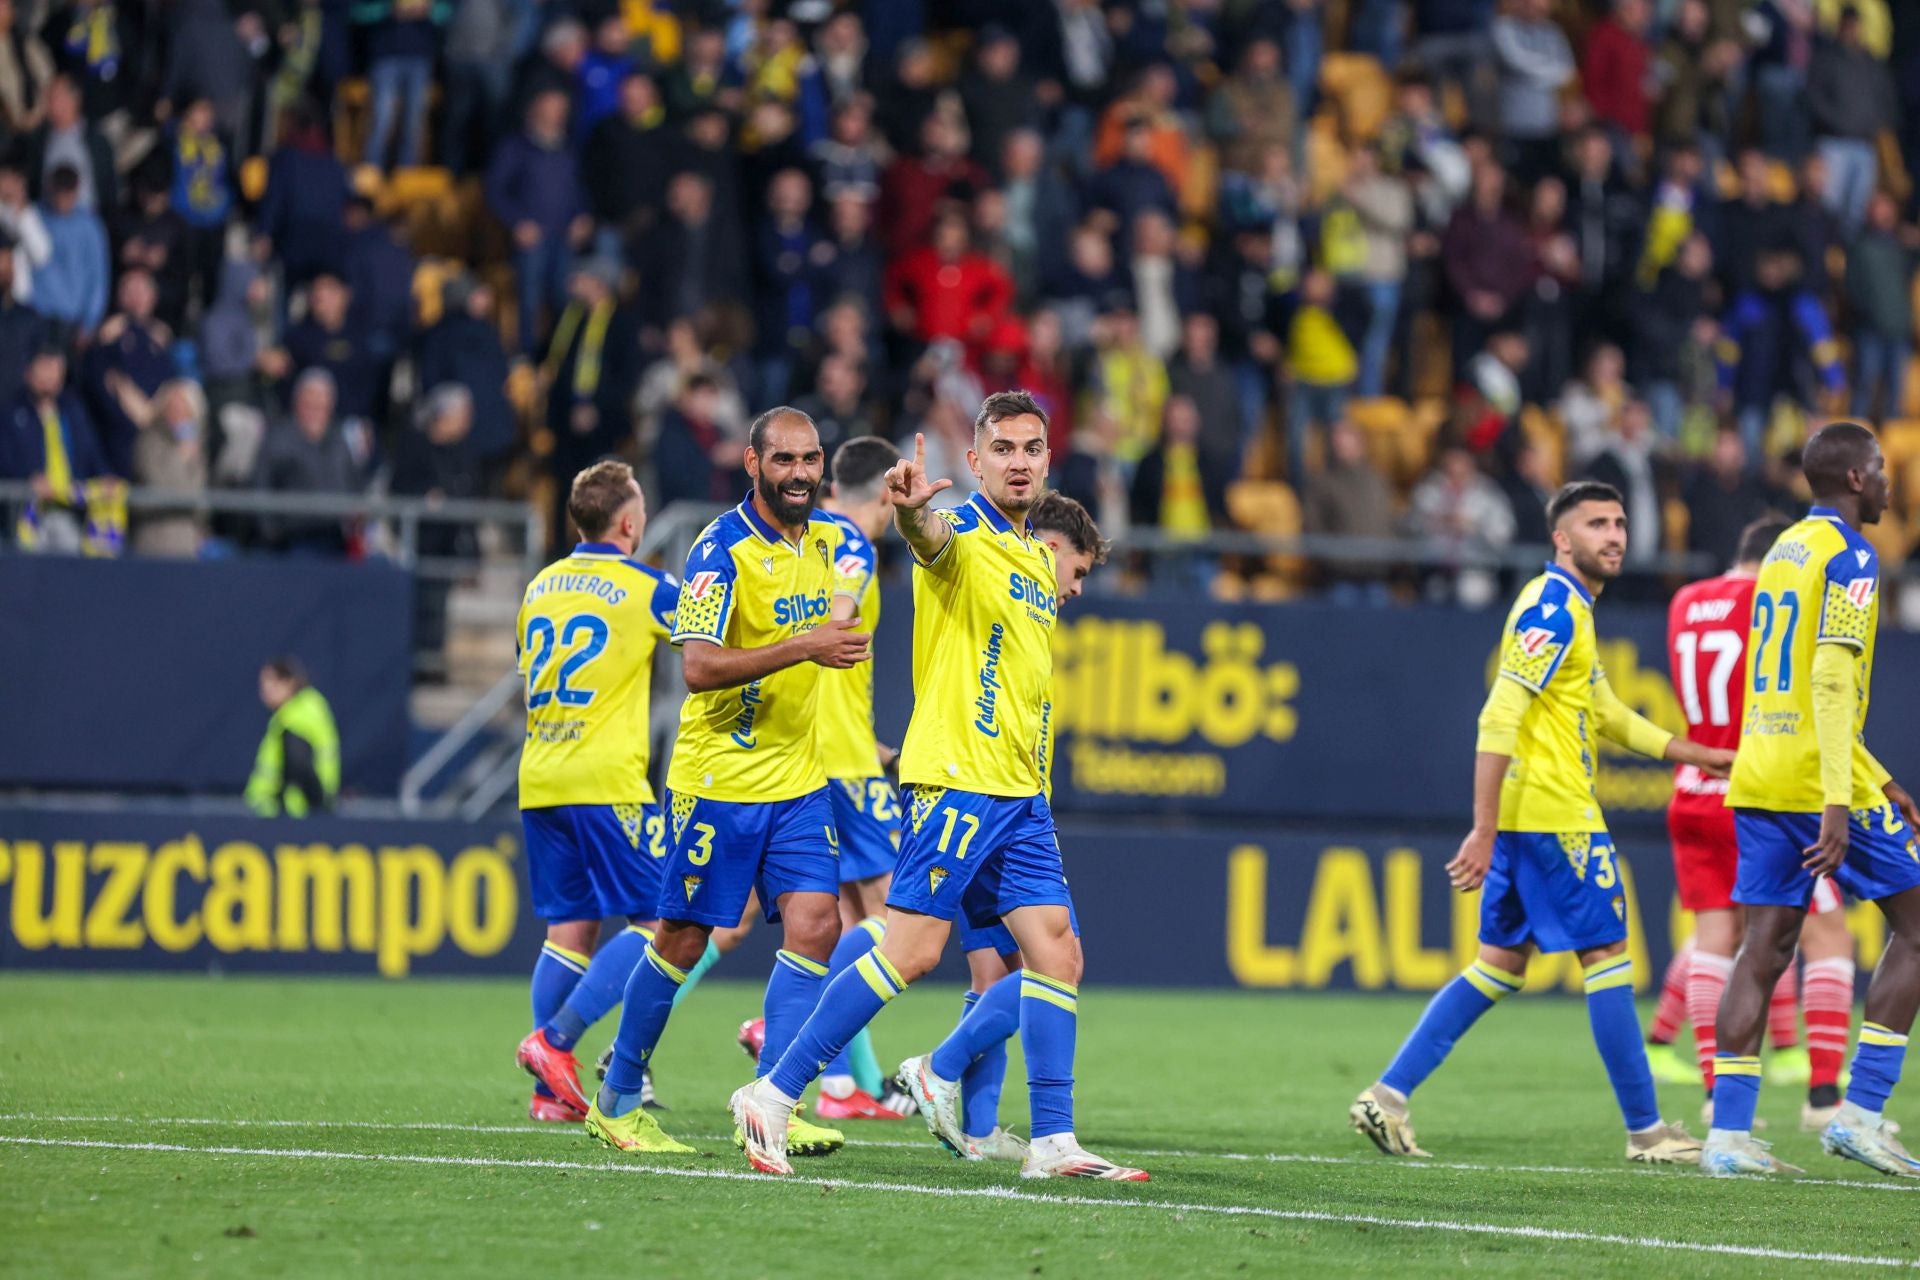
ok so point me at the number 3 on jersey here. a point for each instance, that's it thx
(542, 642)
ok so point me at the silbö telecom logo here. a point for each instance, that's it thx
(989, 682)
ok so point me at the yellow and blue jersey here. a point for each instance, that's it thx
(1819, 585)
(1548, 647)
(983, 614)
(747, 587)
(586, 633)
(846, 697)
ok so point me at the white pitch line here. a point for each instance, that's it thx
(1004, 1193)
(1267, 1157)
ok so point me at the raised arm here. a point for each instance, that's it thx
(909, 489)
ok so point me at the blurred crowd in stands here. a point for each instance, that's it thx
(1382, 268)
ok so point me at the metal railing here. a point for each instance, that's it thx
(402, 517)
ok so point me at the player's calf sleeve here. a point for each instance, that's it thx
(848, 1003)
(1876, 1066)
(648, 1004)
(853, 944)
(708, 958)
(1616, 1033)
(1049, 1027)
(992, 1020)
(1448, 1016)
(981, 1085)
(1736, 1091)
(792, 992)
(600, 988)
(1783, 1012)
(1673, 1010)
(1827, 991)
(1706, 983)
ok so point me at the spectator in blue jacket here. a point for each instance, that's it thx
(71, 289)
(378, 270)
(1774, 340)
(402, 43)
(532, 188)
(303, 212)
(131, 357)
(463, 348)
(790, 260)
(46, 439)
(1133, 184)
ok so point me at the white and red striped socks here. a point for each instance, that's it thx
(1829, 999)
(1783, 1012)
(1672, 1011)
(1706, 980)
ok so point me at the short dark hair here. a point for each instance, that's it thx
(597, 495)
(287, 667)
(1758, 538)
(64, 180)
(860, 462)
(1002, 405)
(757, 433)
(1835, 450)
(1058, 513)
(1575, 492)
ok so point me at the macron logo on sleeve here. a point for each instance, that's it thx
(1863, 557)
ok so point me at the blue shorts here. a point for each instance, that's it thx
(724, 850)
(1561, 892)
(1883, 857)
(977, 857)
(867, 813)
(591, 861)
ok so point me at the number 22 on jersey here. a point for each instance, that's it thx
(584, 636)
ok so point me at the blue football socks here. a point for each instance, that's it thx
(1616, 1033)
(1449, 1015)
(1736, 1091)
(1876, 1066)
(853, 944)
(600, 988)
(792, 993)
(555, 972)
(1049, 1025)
(849, 1003)
(977, 1051)
(649, 1002)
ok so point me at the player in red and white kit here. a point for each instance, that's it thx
(1707, 626)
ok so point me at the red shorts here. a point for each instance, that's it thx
(1706, 857)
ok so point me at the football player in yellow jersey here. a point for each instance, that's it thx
(866, 809)
(1539, 851)
(1809, 800)
(981, 837)
(595, 839)
(975, 1053)
(760, 613)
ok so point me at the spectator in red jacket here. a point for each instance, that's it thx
(913, 187)
(1613, 70)
(947, 290)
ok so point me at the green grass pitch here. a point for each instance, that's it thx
(273, 1127)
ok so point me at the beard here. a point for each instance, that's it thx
(1594, 569)
(786, 509)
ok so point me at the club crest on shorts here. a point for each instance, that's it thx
(936, 878)
(1619, 907)
(691, 884)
